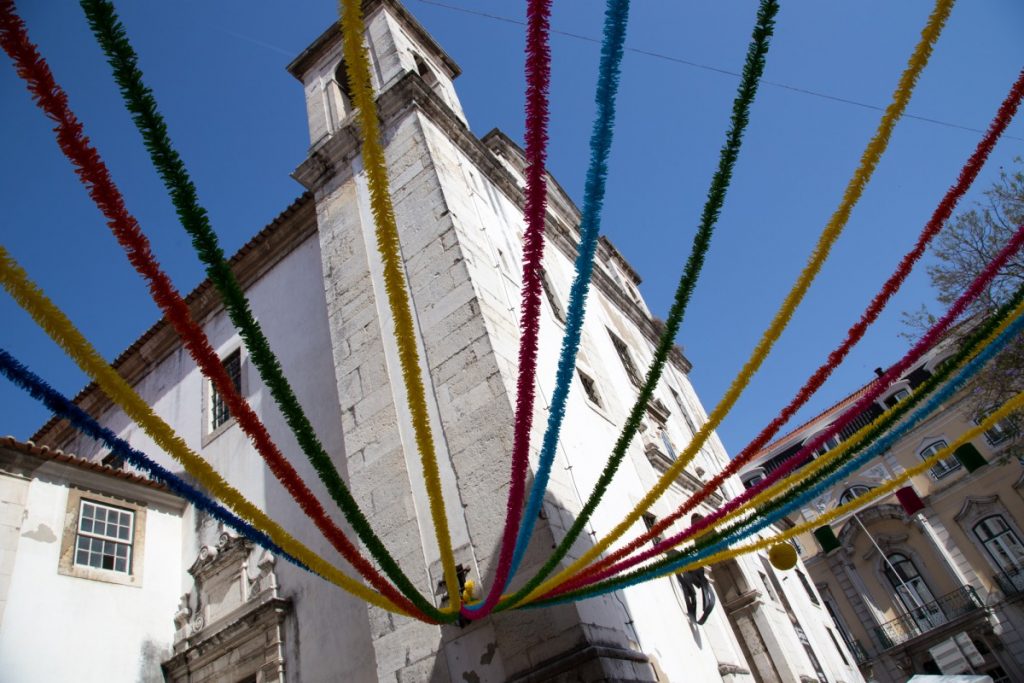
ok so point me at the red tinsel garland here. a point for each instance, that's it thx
(95, 176)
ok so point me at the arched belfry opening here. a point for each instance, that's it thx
(342, 80)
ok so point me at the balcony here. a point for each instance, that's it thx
(1011, 582)
(928, 617)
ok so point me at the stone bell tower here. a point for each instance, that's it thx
(454, 198)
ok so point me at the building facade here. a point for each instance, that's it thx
(314, 281)
(928, 591)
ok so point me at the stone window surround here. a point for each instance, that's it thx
(925, 572)
(977, 508)
(928, 442)
(209, 433)
(66, 565)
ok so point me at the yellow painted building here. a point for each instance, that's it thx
(937, 590)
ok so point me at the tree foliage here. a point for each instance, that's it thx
(965, 246)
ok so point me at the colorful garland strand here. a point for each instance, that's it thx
(388, 244)
(873, 392)
(753, 68)
(95, 176)
(1013, 405)
(855, 188)
(943, 211)
(57, 403)
(59, 328)
(991, 336)
(141, 104)
(612, 48)
(678, 564)
(538, 78)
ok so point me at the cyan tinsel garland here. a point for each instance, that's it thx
(141, 104)
(753, 68)
(870, 159)
(60, 405)
(807, 491)
(612, 47)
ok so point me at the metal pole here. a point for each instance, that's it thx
(895, 573)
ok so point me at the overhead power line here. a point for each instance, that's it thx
(714, 69)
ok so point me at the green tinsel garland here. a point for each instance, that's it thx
(141, 104)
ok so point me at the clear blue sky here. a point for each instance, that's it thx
(238, 119)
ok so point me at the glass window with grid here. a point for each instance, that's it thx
(104, 539)
(219, 412)
(1000, 432)
(1001, 542)
(942, 467)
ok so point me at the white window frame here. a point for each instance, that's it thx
(103, 538)
(942, 468)
(1000, 432)
(852, 493)
(67, 563)
(209, 431)
(1016, 556)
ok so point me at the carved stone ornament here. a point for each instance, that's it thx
(875, 475)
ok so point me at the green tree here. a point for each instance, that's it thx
(960, 252)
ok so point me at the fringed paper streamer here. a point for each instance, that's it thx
(53, 321)
(761, 492)
(784, 491)
(142, 106)
(57, 403)
(674, 566)
(352, 29)
(538, 77)
(943, 211)
(753, 68)
(992, 337)
(855, 188)
(1013, 405)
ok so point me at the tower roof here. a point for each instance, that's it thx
(301, 63)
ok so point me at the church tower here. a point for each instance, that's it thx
(458, 204)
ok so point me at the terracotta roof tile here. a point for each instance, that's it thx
(57, 455)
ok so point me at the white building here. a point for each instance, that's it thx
(314, 282)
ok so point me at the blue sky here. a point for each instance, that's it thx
(238, 119)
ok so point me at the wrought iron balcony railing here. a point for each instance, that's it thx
(1011, 581)
(929, 616)
(858, 651)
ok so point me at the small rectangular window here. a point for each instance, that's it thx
(649, 522)
(104, 539)
(627, 360)
(807, 587)
(943, 467)
(683, 411)
(219, 412)
(590, 388)
(1000, 432)
(836, 643)
(549, 292)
